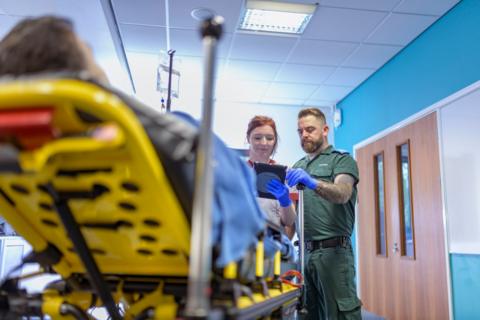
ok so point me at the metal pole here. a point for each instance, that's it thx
(198, 295)
(170, 69)
(301, 239)
(301, 236)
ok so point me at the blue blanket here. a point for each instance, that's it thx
(237, 218)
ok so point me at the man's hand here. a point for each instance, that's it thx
(296, 176)
(280, 191)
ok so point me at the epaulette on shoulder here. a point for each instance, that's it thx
(299, 161)
(343, 152)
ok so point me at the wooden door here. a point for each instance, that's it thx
(402, 268)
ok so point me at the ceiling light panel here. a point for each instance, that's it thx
(277, 17)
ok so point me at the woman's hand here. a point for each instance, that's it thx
(280, 191)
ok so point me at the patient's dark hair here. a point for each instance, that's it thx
(41, 44)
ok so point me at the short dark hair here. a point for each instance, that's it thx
(317, 113)
(41, 44)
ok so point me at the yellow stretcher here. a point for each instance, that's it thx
(96, 184)
(102, 213)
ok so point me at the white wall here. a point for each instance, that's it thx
(231, 120)
(460, 144)
(12, 250)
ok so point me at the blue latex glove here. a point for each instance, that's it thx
(296, 176)
(280, 191)
(270, 246)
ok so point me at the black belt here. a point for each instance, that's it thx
(311, 245)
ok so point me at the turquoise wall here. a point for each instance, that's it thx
(441, 61)
(465, 285)
(444, 59)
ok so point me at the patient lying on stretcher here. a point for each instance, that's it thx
(49, 45)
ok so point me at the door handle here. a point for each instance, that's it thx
(395, 248)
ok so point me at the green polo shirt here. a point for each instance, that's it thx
(322, 218)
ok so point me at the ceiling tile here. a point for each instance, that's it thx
(320, 67)
(188, 42)
(150, 12)
(180, 12)
(143, 38)
(249, 70)
(261, 47)
(330, 24)
(323, 105)
(321, 52)
(381, 5)
(302, 73)
(241, 91)
(290, 90)
(348, 76)
(330, 93)
(371, 56)
(434, 7)
(400, 29)
(283, 101)
(29, 7)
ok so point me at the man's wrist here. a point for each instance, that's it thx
(313, 184)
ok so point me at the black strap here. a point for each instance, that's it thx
(81, 247)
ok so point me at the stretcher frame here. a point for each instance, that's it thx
(35, 181)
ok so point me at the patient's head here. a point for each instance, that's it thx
(46, 44)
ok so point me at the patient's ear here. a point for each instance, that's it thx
(100, 75)
(105, 133)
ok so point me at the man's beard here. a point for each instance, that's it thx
(311, 146)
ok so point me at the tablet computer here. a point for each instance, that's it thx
(265, 173)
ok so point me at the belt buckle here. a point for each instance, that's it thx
(308, 245)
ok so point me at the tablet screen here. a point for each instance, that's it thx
(265, 173)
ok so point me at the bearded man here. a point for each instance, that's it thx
(331, 178)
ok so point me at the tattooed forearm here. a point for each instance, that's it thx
(338, 192)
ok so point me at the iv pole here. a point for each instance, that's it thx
(170, 70)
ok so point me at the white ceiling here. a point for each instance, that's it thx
(345, 42)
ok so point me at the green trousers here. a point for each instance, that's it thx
(330, 284)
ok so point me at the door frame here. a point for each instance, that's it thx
(434, 108)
